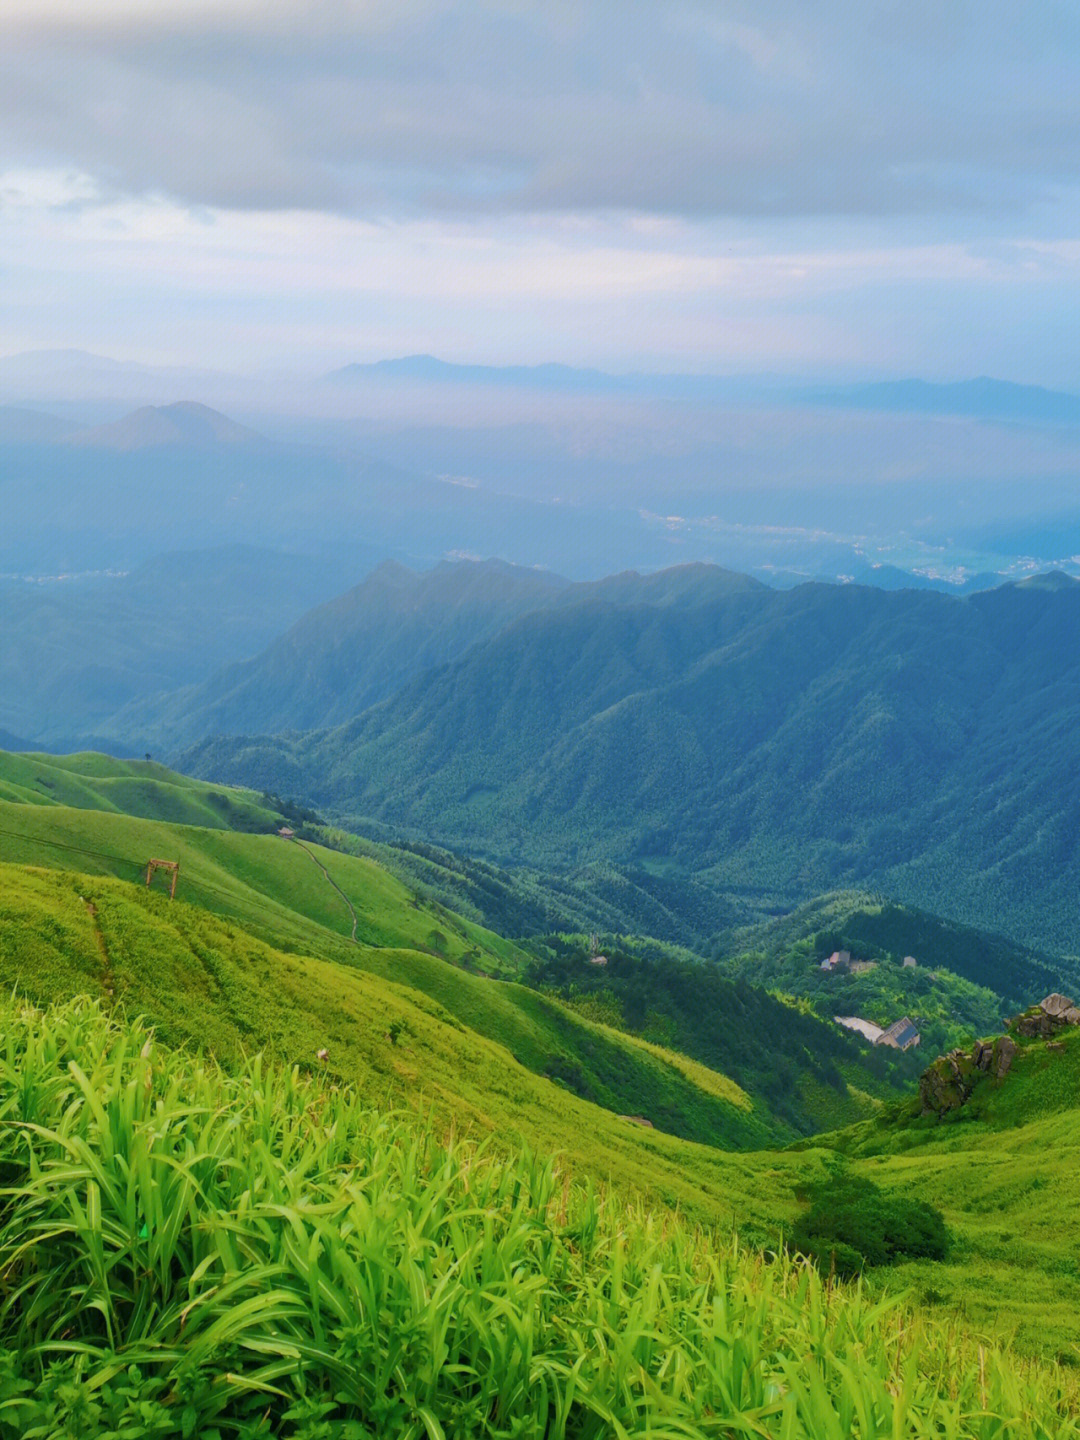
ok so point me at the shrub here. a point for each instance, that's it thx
(846, 1214)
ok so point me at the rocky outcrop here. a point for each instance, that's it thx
(949, 1081)
(994, 1057)
(1047, 1018)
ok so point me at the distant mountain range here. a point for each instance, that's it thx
(983, 397)
(40, 376)
(695, 723)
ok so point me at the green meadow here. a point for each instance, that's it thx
(429, 1036)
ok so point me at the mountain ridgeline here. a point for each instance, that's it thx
(776, 744)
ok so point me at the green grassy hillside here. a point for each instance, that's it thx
(309, 899)
(259, 1253)
(204, 981)
(140, 788)
(1003, 1170)
(405, 1027)
(278, 888)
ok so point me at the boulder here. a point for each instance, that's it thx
(1056, 1004)
(1052, 1014)
(1004, 1050)
(995, 1057)
(946, 1084)
(1038, 1025)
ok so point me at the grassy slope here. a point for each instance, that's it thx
(278, 891)
(1003, 1170)
(266, 1255)
(203, 981)
(1005, 1181)
(90, 781)
(271, 885)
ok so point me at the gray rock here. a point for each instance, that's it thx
(982, 1056)
(1004, 1051)
(1037, 1025)
(1056, 1004)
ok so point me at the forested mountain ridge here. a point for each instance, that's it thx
(362, 646)
(782, 742)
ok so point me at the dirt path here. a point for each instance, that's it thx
(106, 965)
(334, 883)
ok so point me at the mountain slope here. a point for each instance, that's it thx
(352, 651)
(351, 910)
(361, 647)
(781, 742)
(73, 654)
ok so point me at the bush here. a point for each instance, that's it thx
(848, 1215)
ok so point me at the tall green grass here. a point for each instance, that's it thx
(193, 1253)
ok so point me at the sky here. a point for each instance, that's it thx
(849, 189)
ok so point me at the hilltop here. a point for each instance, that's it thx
(183, 423)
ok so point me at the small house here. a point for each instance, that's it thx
(838, 960)
(901, 1035)
(598, 960)
(909, 962)
(286, 833)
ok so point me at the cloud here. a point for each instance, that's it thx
(692, 107)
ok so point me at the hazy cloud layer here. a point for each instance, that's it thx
(418, 107)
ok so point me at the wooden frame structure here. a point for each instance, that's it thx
(172, 866)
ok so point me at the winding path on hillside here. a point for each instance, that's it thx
(334, 883)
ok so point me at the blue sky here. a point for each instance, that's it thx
(839, 189)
